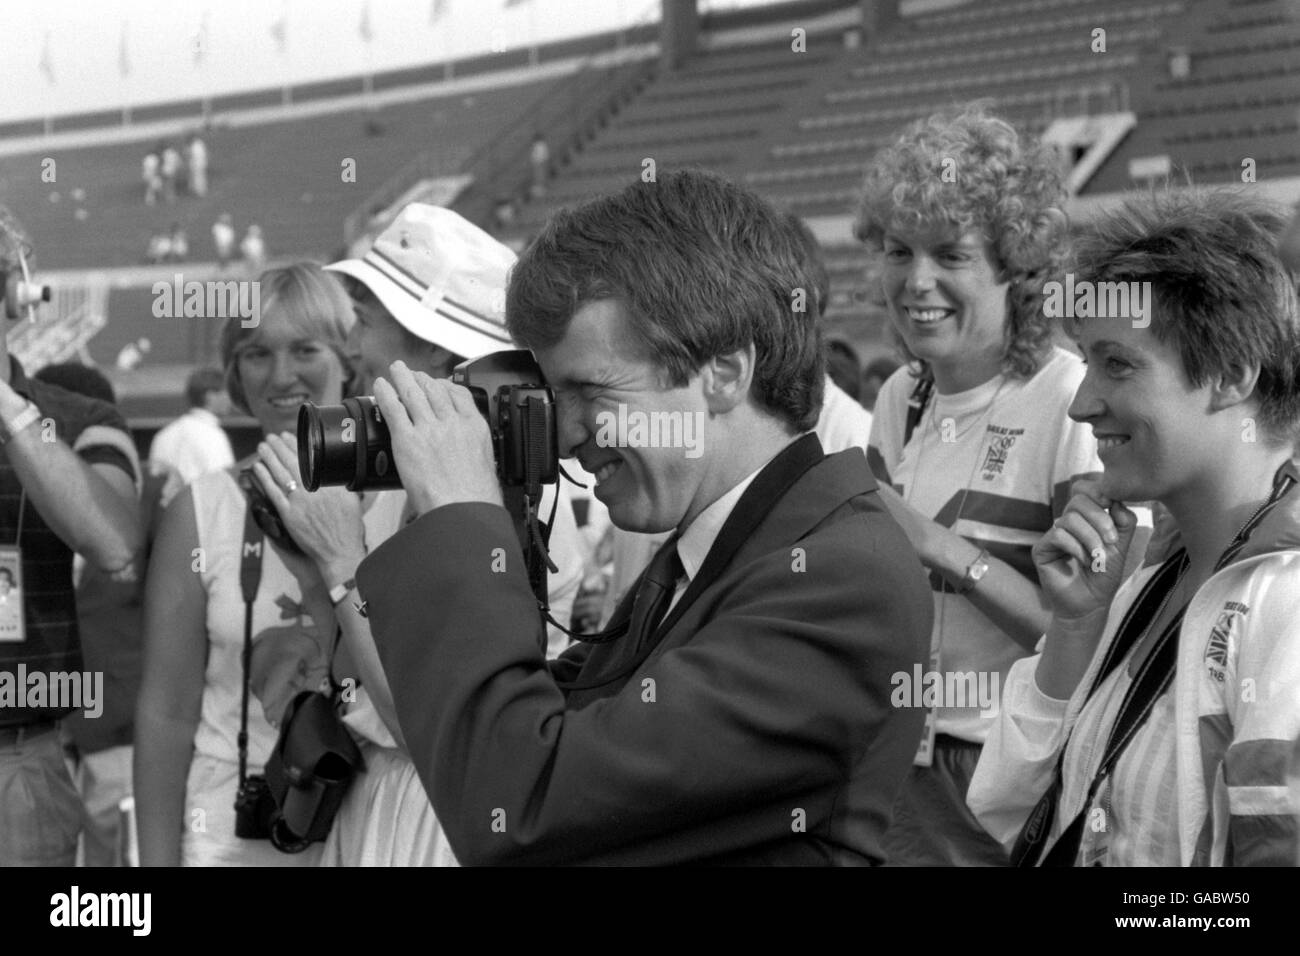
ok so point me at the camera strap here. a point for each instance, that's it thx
(250, 578)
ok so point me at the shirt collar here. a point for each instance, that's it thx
(205, 416)
(696, 541)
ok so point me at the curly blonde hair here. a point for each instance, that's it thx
(964, 169)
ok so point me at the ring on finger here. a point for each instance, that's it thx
(290, 486)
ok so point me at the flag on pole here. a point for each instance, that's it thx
(201, 40)
(47, 60)
(363, 27)
(280, 33)
(436, 9)
(123, 54)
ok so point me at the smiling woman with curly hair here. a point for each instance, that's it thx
(964, 220)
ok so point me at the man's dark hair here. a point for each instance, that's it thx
(813, 261)
(201, 382)
(82, 379)
(701, 266)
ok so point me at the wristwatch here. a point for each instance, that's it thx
(340, 591)
(11, 427)
(975, 572)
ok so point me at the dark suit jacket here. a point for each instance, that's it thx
(754, 727)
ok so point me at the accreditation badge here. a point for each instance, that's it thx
(12, 618)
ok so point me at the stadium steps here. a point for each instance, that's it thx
(1241, 100)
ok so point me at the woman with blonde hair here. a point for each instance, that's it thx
(214, 689)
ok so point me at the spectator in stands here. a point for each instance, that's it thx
(253, 249)
(187, 763)
(386, 817)
(69, 483)
(109, 620)
(539, 158)
(1202, 651)
(151, 171)
(131, 355)
(179, 249)
(196, 155)
(971, 441)
(160, 248)
(194, 444)
(503, 214)
(874, 377)
(223, 238)
(669, 295)
(171, 171)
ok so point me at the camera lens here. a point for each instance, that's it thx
(346, 444)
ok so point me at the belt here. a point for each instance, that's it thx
(14, 736)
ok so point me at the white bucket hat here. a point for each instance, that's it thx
(442, 278)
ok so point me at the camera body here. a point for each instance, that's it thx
(255, 809)
(20, 295)
(264, 513)
(349, 444)
(257, 817)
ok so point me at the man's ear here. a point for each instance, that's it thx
(727, 379)
(1234, 386)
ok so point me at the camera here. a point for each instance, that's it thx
(255, 809)
(264, 513)
(257, 817)
(17, 290)
(349, 444)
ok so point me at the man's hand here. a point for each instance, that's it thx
(441, 444)
(325, 523)
(1081, 559)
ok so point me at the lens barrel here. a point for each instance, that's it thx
(346, 444)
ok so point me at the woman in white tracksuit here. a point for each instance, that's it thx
(1158, 722)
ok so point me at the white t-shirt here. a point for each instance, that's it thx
(843, 423)
(192, 445)
(994, 463)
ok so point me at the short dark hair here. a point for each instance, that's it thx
(701, 266)
(201, 382)
(1222, 293)
(82, 379)
(813, 261)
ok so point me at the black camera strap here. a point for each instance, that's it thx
(250, 578)
(916, 404)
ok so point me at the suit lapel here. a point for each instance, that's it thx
(754, 506)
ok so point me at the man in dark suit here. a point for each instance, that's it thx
(742, 712)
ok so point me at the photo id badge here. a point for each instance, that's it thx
(11, 595)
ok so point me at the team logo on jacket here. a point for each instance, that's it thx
(1000, 441)
(1216, 651)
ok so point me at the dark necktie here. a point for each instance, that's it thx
(655, 593)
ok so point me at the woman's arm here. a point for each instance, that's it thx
(171, 688)
(1009, 599)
